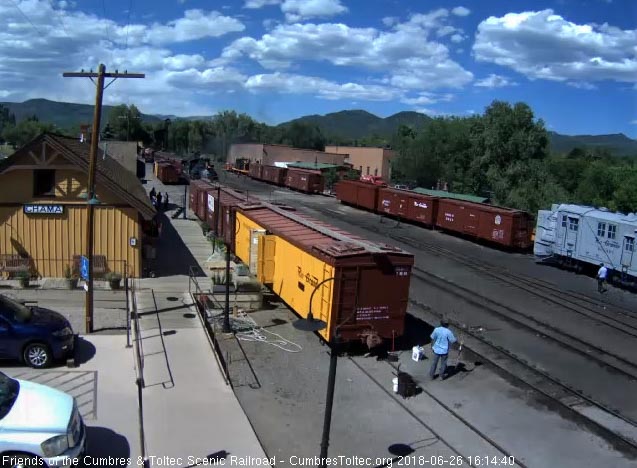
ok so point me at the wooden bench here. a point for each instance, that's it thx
(99, 264)
(14, 263)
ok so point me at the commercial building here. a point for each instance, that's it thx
(270, 155)
(369, 161)
(43, 209)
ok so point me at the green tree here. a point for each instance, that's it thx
(125, 123)
(25, 131)
(7, 120)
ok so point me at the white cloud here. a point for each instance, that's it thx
(581, 85)
(543, 45)
(205, 79)
(406, 55)
(297, 10)
(196, 24)
(425, 99)
(457, 38)
(33, 56)
(494, 81)
(4, 93)
(633, 122)
(319, 87)
(270, 23)
(461, 11)
(253, 4)
(390, 20)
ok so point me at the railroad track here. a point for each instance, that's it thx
(455, 414)
(563, 394)
(559, 392)
(611, 360)
(615, 318)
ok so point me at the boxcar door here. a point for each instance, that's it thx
(572, 230)
(628, 250)
(255, 234)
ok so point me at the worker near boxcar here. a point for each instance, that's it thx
(601, 278)
(441, 339)
(159, 197)
(152, 193)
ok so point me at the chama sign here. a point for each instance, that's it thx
(44, 209)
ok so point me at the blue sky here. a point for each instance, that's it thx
(573, 61)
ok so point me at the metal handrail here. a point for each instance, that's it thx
(139, 381)
(198, 292)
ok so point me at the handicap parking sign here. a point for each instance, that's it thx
(84, 267)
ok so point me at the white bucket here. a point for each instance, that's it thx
(395, 382)
(417, 353)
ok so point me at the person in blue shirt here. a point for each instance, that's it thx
(441, 339)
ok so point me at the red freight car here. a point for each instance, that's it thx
(256, 171)
(504, 226)
(198, 189)
(167, 173)
(274, 175)
(228, 199)
(407, 205)
(305, 181)
(359, 194)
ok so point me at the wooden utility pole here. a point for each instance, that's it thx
(90, 193)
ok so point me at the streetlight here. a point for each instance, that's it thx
(312, 324)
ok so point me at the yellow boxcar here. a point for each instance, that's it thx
(358, 288)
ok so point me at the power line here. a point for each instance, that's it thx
(130, 8)
(26, 17)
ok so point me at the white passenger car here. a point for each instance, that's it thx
(582, 235)
(39, 426)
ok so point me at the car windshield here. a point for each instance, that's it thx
(14, 310)
(9, 389)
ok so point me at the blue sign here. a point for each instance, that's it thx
(84, 267)
(44, 209)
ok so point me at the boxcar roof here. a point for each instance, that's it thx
(598, 213)
(455, 196)
(310, 234)
(483, 206)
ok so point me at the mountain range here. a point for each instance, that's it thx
(352, 124)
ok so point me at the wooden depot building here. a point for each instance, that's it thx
(43, 210)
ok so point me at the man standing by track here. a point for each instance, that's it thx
(441, 339)
(601, 278)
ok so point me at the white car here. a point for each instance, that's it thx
(39, 426)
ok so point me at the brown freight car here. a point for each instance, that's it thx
(275, 175)
(359, 194)
(167, 173)
(305, 181)
(256, 171)
(407, 205)
(504, 226)
(196, 187)
(358, 288)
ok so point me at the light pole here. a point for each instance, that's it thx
(312, 324)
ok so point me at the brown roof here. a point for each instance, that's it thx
(312, 235)
(109, 173)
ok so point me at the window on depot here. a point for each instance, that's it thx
(563, 220)
(375, 171)
(44, 183)
(629, 246)
(601, 229)
(612, 231)
(367, 170)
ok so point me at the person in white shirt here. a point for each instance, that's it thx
(601, 278)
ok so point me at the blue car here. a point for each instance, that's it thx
(33, 335)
